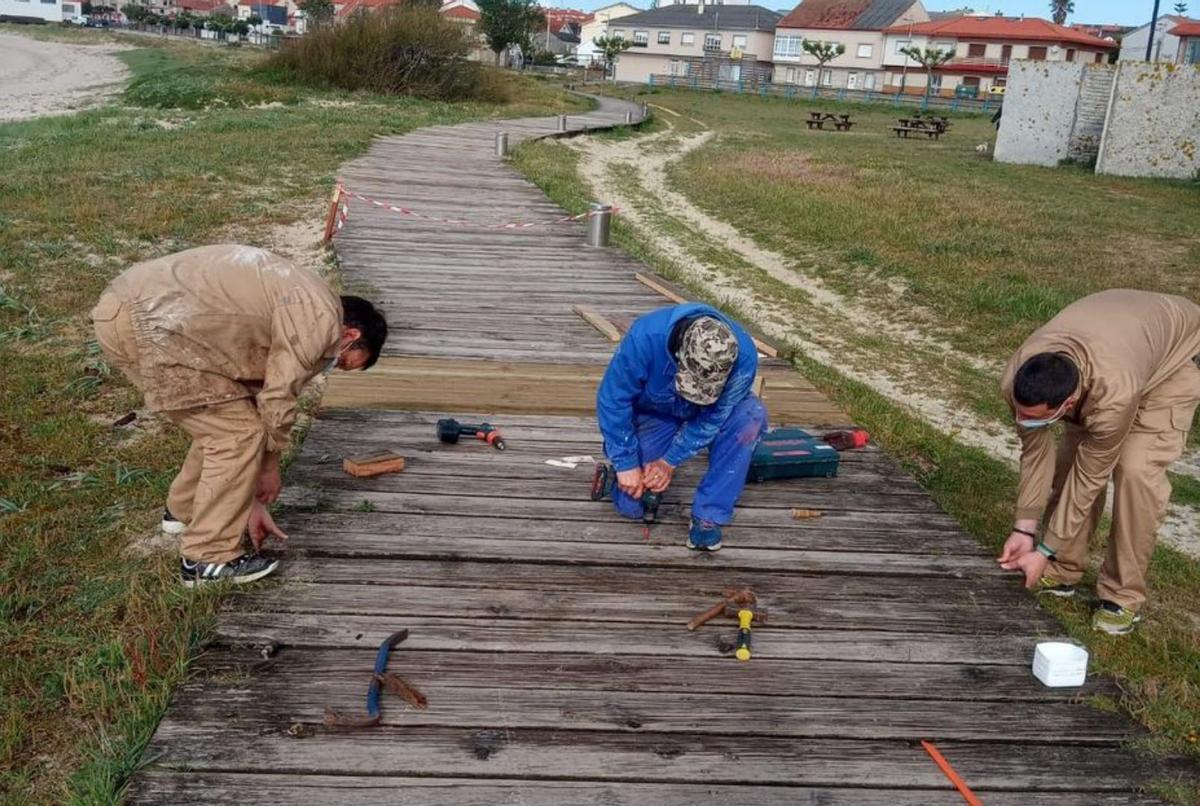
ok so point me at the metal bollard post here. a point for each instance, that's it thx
(628, 117)
(645, 110)
(599, 225)
(562, 123)
(501, 144)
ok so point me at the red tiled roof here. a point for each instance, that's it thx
(1028, 29)
(835, 14)
(262, 2)
(461, 13)
(1186, 29)
(199, 5)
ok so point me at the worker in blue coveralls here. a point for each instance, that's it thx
(679, 383)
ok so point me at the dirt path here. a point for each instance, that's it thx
(890, 355)
(52, 78)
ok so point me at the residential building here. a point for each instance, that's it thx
(204, 8)
(273, 13)
(33, 11)
(466, 13)
(983, 47)
(1113, 32)
(856, 25)
(1165, 46)
(596, 25)
(559, 37)
(710, 42)
(1188, 35)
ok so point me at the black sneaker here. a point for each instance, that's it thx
(172, 525)
(246, 568)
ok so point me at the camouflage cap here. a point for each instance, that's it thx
(706, 356)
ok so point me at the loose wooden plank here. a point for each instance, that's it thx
(501, 752)
(271, 789)
(596, 320)
(500, 635)
(649, 674)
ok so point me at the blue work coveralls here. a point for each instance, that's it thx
(643, 418)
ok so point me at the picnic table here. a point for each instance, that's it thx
(931, 126)
(817, 120)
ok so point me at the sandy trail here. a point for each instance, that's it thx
(826, 327)
(52, 78)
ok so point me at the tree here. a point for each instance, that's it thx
(823, 52)
(318, 12)
(1060, 9)
(134, 12)
(255, 20)
(505, 23)
(929, 58)
(610, 48)
(239, 27)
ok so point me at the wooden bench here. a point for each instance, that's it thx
(906, 131)
(815, 123)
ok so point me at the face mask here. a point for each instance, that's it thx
(332, 365)
(1058, 415)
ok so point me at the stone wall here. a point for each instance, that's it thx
(1153, 127)
(1039, 112)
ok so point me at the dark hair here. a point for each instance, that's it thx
(1047, 378)
(358, 313)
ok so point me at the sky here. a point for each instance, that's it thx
(1119, 12)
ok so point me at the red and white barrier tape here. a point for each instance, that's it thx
(343, 212)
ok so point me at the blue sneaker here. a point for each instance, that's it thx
(704, 536)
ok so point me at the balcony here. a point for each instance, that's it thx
(976, 64)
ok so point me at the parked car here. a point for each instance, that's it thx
(996, 91)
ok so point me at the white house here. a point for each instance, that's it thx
(1166, 44)
(598, 25)
(38, 10)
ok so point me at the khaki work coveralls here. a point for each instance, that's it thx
(221, 339)
(1140, 383)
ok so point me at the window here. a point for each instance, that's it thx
(619, 33)
(1100, 56)
(677, 67)
(866, 51)
(1006, 52)
(712, 41)
(902, 44)
(810, 77)
(826, 78)
(869, 82)
(1000, 81)
(1070, 54)
(788, 47)
(790, 75)
(664, 37)
(970, 81)
(976, 51)
(1037, 53)
(944, 47)
(687, 39)
(68, 8)
(739, 40)
(641, 39)
(936, 84)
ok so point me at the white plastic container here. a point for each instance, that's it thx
(1060, 664)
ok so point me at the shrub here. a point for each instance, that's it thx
(401, 50)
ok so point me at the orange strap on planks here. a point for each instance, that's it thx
(949, 772)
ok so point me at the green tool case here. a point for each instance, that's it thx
(791, 453)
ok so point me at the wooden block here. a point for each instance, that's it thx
(597, 320)
(373, 464)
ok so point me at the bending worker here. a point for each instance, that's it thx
(221, 339)
(678, 383)
(1121, 370)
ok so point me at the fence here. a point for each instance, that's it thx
(267, 40)
(793, 91)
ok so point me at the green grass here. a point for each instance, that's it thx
(1158, 667)
(202, 147)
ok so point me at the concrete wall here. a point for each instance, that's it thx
(1039, 112)
(1153, 126)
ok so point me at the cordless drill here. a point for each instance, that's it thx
(605, 479)
(449, 430)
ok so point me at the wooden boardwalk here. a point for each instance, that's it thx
(546, 632)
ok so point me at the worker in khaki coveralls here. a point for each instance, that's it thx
(221, 339)
(1121, 369)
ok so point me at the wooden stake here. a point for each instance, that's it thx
(598, 321)
(331, 216)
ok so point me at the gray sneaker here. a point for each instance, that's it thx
(247, 568)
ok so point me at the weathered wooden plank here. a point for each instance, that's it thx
(276, 697)
(501, 752)
(502, 635)
(647, 674)
(596, 320)
(270, 789)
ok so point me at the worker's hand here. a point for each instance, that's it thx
(261, 526)
(632, 483)
(1032, 565)
(269, 482)
(1017, 545)
(657, 475)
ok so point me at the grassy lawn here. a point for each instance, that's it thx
(94, 629)
(986, 252)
